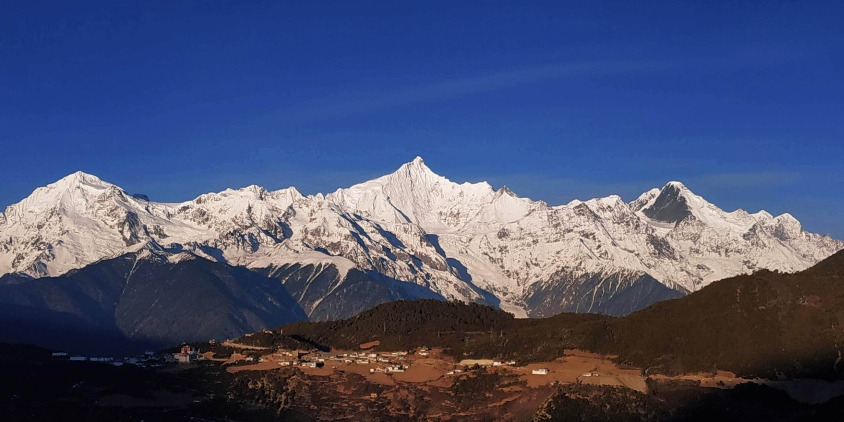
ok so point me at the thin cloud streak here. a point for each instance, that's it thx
(462, 87)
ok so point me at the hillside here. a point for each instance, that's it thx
(141, 300)
(760, 324)
(766, 324)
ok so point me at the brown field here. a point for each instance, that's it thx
(571, 367)
(420, 371)
(242, 346)
(259, 366)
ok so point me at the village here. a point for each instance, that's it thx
(431, 365)
(418, 365)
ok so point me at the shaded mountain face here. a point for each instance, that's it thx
(416, 234)
(670, 206)
(142, 300)
(617, 294)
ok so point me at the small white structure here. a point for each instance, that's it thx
(59, 354)
(540, 371)
(497, 363)
(186, 355)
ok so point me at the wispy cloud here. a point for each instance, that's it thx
(460, 87)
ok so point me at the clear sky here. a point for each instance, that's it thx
(743, 101)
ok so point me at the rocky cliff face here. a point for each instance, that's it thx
(413, 234)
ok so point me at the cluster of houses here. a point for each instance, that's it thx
(298, 358)
(486, 362)
(389, 368)
(388, 362)
(148, 359)
(494, 363)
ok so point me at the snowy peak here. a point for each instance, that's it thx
(644, 199)
(457, 240)
(415, 194)
(787, 227)
(78, 178)
(78, 181)
(77, 193)
(672, 205)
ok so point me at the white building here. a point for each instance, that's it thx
(540, 371)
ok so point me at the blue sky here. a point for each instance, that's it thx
(742, 101)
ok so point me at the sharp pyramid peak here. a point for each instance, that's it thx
(416, 164)
(676, 185)
(678, 189)
(505, 190)
(75, 182)
(671, 205)
(414, 170)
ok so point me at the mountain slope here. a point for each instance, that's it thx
(142, 299)
(415, 234)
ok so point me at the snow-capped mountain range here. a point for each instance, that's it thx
(417, 234)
